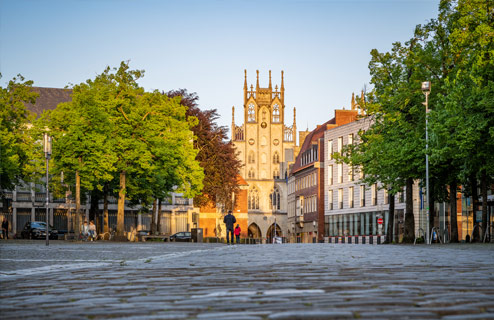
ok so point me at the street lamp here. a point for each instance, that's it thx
(47, 149)
(426, 89)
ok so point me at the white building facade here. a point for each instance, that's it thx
(353, 209)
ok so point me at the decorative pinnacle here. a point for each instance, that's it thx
(269, 78)
(257, 85)
(282, 82)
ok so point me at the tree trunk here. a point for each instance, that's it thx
(475, 207)
(121, 206)
(409, 236)
(77, 227)
(105, 209)
(94, 209)
(158, 221)
(453, 211)
(153, 218)
(391, 219)
(483, 186)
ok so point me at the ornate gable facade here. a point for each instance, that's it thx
(265, 146)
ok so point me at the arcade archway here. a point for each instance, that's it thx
(273, 230)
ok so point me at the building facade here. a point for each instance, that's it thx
(353, 209)
(306, 191)
(265, 146)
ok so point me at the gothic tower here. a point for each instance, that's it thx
(265, 146)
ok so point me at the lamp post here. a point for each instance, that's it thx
(47, 149)
(426, 89)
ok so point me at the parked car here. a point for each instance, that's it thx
(37, 230)
(181, 236)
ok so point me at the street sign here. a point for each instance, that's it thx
(380, 221)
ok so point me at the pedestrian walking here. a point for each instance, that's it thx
(229, 220)
(5, 228)
(237, 233)
(92, 230)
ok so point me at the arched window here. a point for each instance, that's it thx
(251, 174)
(276, 174)
(252, 157)
(276, 113)
(251, 113)
(274, 198)
(253, 199)
(276, 158)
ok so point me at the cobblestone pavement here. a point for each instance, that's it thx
(105, 280)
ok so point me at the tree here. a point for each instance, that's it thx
(216, 155)
(114, 130)
(153, 141)
(14, 138)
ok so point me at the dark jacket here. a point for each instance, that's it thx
(229, 220)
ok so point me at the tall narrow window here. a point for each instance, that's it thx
(330, 175)
(340, 172)
(330, 200)
(251, 174)
(330, 150)
(251, 113)
(275, 199)
(386, 196)
(340, 144)
(253, 199)
(276, 113)
(350, 197)
(362, 196)
(350, 138)
(374, 194)
(361, 172)
(340, 198)
(252, 157)
(276, 157)
(350, 173)
(276, 174)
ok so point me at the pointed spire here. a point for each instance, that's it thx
(233, 115)
(294, 115)
(245, 81)
(353, 101)
(269, 79)
(282, 82)
(257, 84)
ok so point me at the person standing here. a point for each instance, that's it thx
(92, 230)
(5, 228)
(237, 233)
(229, 220)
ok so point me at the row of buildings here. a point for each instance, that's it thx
(296, 191)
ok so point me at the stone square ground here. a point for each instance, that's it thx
(107, 280)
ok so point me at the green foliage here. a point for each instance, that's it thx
(112, 125)
(215, 154)
(15, 141)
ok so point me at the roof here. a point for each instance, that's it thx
(48, 99)
(241, 181)
(313, 136)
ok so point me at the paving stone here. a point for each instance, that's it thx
(298, 281)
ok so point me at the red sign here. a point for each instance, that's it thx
(380, 221)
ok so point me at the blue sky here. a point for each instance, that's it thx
(204, 46)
